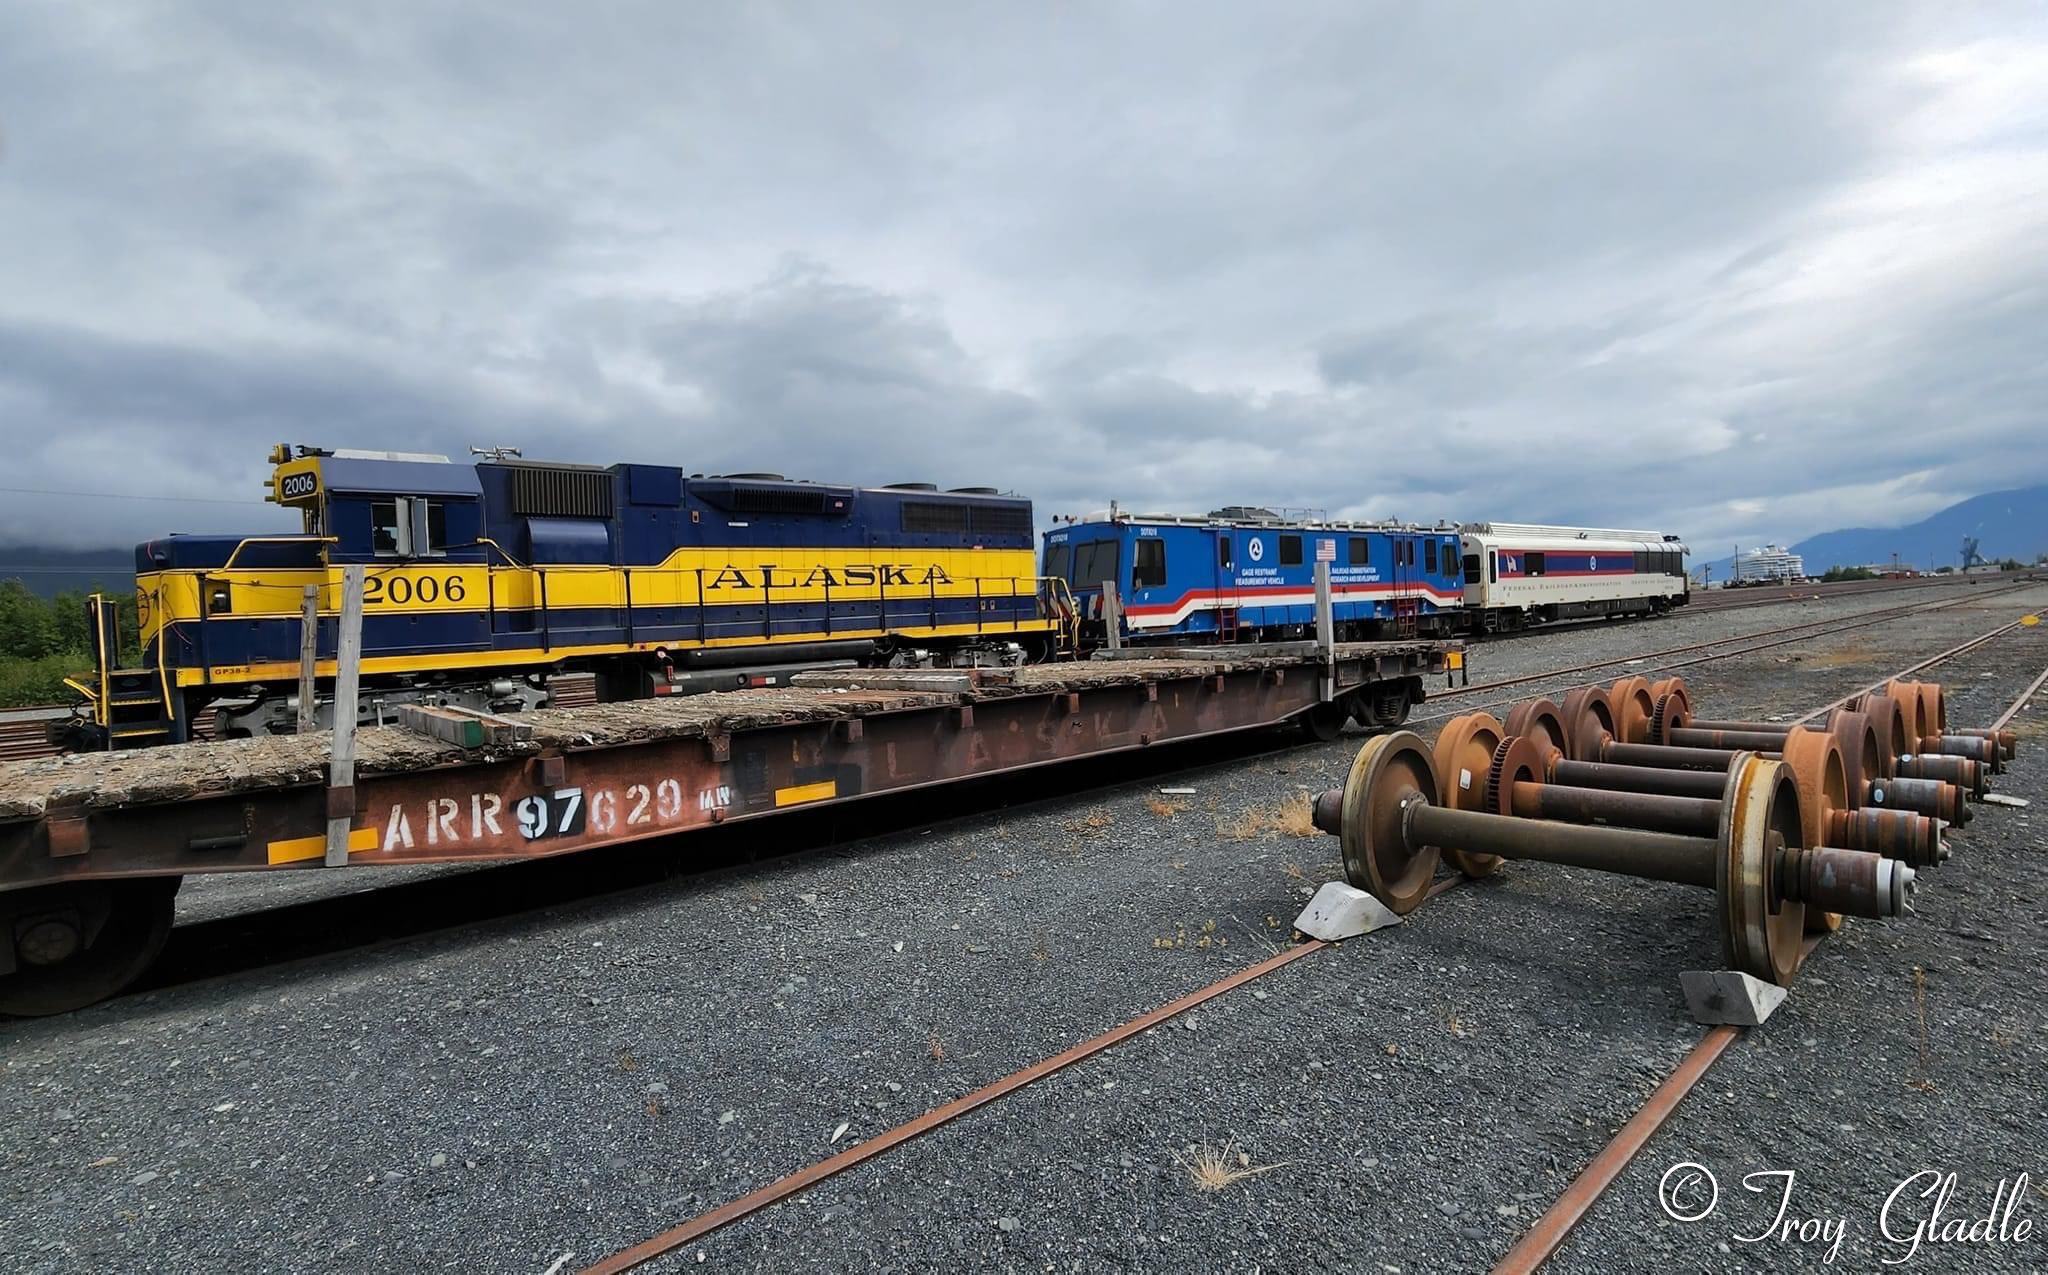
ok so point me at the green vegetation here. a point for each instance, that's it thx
(1847, 573)
(43, 640)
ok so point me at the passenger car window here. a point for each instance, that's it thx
(1148, 568)
(1290, 551)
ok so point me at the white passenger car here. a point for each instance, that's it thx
(1517, 574)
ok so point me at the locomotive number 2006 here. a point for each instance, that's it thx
(397, 590)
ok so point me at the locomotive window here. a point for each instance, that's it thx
(1290, 551)
(1148, 569)
(391, 527)
(437, 528)
(1223, 552)
(1429, 556)
(1471, 568)
(1360, 549)
(1059, 560)
(1094, 562)
(1532, 564)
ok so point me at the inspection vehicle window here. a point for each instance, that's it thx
(1059, 561)
(1290, 551)
(1471, 568)
(1360, 549)
(391, 527)
(1429, 556)
(1094, 562)
(1223, 552)
(1149, 569)
(1532, 564)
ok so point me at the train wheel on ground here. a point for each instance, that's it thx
(73, 943)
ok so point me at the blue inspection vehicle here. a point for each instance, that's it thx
(1244, 574)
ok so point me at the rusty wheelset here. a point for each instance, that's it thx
(1792, 826)
(1393, 819)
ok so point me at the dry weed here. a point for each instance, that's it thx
(1214, 1168)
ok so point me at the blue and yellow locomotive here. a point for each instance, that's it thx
(1247, 574)
(497, 584)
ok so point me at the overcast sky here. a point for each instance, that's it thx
(1734, 271)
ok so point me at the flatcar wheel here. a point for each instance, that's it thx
(1388, 773)
(1323, 722)
(1464, 751)
(75, 943)
(1762, 932)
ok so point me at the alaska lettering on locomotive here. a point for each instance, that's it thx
(886, 574)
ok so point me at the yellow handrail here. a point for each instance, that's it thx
(229, 565)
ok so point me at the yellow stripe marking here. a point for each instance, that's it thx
(806, 792)
(295, 849)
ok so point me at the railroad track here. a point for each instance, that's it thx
(1778, 595)
(1541, 1240)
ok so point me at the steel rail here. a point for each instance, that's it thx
(2013, 710)
(1931, 660)
(809, 1176)
(1542, 1240)
(1822, 628)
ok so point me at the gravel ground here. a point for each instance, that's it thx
(570, 1079)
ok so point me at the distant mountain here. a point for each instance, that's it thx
(49, 571)
(2007, 524)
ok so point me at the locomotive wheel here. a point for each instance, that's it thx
(1822, 776)
(1673, 712)
(1908, 696)
(1633, 708)
(1934, 700)
(1388, 773)
(74, 943)
(1582, 701)
(1464, 751)
(1540, 719)
(1664, 686)
(1862, 757)
(1761, 930)
(1889, 716)
(1519, 759)
(1586, 734)
(1323, 722)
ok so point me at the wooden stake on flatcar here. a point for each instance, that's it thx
(341, 766)
(309, 657)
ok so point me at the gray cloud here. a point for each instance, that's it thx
(1737, 273)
